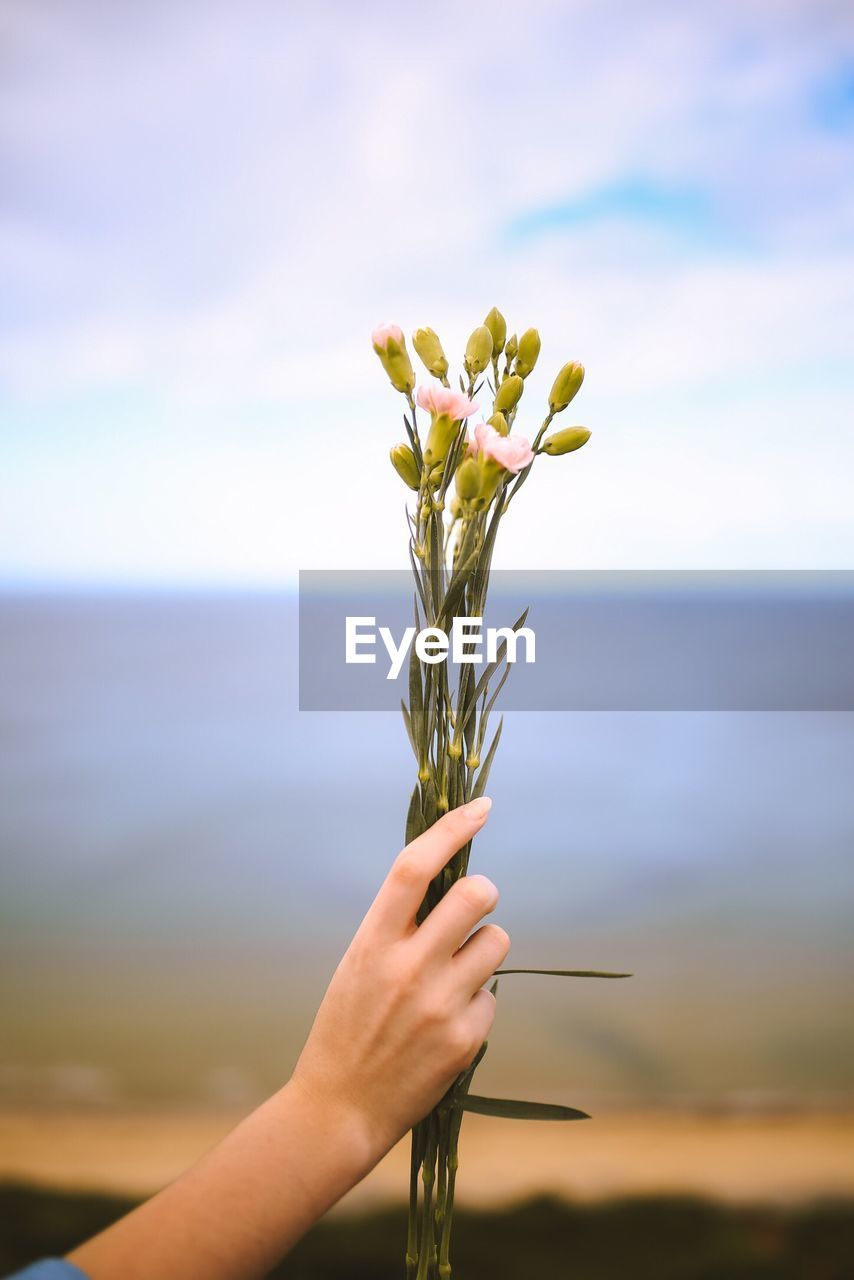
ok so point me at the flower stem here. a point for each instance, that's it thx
(453, 1160)
(412, 1229)
(426, 1244)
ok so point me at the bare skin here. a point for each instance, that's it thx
(405, 1012)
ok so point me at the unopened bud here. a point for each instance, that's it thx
(403, 461)
(529, 350)
(507, 396)
(511, 348)
(565, 386)
(497, 326)
(566, 441)
(440, 437)
(390, 346)
(468, 480)
(429, 350)
(499, 422)
(478, 351)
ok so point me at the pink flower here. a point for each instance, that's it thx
(382, 333)
(443, 402)
(513, 453)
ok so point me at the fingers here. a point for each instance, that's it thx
(453, 918)
(476, 962)
(395, 906)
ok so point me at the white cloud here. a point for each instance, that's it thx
(210, 208)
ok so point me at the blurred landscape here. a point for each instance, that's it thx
(664, 1239)
(184, 856)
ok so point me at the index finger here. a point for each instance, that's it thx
(402, 892)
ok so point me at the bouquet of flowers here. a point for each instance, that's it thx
(463, 481)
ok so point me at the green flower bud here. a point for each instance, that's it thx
(468, 480)
(499, 422)
(478, 351)
(429, 350)
(529, 350)
(439, 439)
(565, 386)
(403, 461)
(508, 394)
(389, 344)
(497, 326)
(511, 348)
(566, 441)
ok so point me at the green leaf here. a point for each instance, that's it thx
(416, 695)
(566, 973)
(416, 573)
(407, 721)
(456, 590)
(490, 671)
(483, 776)
(414, 817)
(484, 718)
(511, 1109)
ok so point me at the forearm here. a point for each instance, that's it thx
(246, 1203)
(405, 1013)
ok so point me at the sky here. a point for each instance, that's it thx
(207, 207)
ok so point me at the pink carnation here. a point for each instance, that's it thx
(382, 333)
(439, 401)
(513, 453)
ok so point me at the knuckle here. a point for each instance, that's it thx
(406, 870)
(461, 1045)
(491, 1006)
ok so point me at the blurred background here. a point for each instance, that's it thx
(205, 210)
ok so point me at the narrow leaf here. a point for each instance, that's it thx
(483, 776)
(416, 694)
(567, 973)
(408, 722)
(414, 817)
(491, 703)
(512, 1109)
(490, 671)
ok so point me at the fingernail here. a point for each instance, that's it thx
(477, 808)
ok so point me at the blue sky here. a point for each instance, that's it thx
(206, 208)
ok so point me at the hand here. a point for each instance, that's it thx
(406, 1010)
(404, 1014)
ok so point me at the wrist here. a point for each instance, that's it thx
(332, 1125)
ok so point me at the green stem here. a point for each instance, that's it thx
(442, 1179)
(428, 1174)
(412, 1228)
(453, 1161)
(523, 475)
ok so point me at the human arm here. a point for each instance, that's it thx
(405, 1012)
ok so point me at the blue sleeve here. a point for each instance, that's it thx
(50, 1269)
